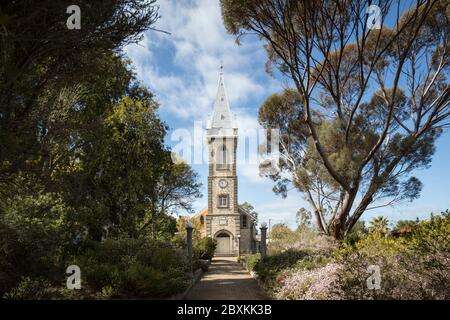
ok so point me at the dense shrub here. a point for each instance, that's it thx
(131, 268)
(290, 251)
(411, 268)
(430, 245)
(276, 267)
(204, 248)
(125, 268)
(39, 288)
(33, 237)
(372, 250)
(252, 261)
(315, 284)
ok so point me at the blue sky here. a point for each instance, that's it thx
(182, 70)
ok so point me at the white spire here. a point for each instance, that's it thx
(221, 117)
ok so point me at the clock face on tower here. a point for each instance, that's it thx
(223, 183)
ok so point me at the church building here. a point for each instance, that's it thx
(224, 220)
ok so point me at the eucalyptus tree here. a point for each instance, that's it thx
(367, 103)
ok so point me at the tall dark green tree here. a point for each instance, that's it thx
(40, 57)
(81, 143)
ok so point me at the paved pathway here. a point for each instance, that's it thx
(226, 280)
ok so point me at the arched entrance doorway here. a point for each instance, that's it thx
(223, 243)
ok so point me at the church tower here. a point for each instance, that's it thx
(223, 218)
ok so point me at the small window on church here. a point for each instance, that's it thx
(223, 201)
(202, 220)
(244, 221)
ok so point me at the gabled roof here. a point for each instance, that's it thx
(242, 210)
(202, 212)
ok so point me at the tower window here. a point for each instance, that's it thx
(202, 220)
(222, 158)
(223, 201)
(244, 221)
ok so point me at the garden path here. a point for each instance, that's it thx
(226, 279)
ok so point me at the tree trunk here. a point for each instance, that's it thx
(338, 226)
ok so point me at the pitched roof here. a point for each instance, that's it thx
(202, 212)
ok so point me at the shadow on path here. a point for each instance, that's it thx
(226, 280)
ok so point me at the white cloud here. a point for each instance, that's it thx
(198, 43)
(186, 82)
(182, 70)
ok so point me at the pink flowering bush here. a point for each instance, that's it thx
(316, 284)
(415, 266)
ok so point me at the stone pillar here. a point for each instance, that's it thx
(239, 244)
(263, 248)
(189, 229)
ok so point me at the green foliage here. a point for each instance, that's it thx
(82, 156)
(129, 267)
(37, 289)
(406, 224)
(204, 248)
(429, 256)
(303, 218)
(167, 227)
(181, 227)
(43, 61)
(379, 225)
(358, 231)
(247, 207)
(34, 236)
(414, 267)
(121, 268)
(411, 268)
(283, 260)
(252, 261)
(272, 270)
(280, 231)
(312, 261)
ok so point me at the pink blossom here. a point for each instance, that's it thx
(317, 284)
